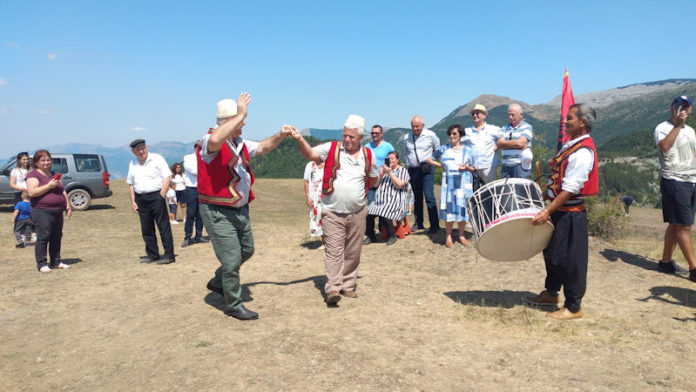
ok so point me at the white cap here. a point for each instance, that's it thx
(354, 121)
(226, 108)
(527, 158)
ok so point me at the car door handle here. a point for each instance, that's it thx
(67, 177)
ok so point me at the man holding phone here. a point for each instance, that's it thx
(380, 150)
(676, 145)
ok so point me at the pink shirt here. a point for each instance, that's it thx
(52, 199)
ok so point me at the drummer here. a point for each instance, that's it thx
(574, 176)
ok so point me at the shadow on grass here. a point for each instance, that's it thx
(673, 296)
(311, 244)
(629, 258)
(217, 301)
(71, 261)
(492, 299)
(101, 207)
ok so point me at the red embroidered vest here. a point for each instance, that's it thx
(333, 163)
(558, 167)
(218, 181)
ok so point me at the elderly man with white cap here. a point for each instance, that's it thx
(483, 137)
(349, 171)
(224, 192)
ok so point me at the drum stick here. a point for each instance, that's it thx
(538, 170)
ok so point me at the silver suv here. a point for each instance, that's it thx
(85, 177)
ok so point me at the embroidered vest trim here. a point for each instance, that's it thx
(333, 163)
(559, 164)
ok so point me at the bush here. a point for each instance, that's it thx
(605, 218)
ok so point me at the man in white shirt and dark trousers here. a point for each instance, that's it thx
(418, 147)
(193, 215)
(148, 177)
(676, 145)
(483, 137)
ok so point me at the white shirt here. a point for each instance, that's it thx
(149, 176)
(483, 144)
(191, 170)
(580, 164)
(20, 176)
(349, 186)
(424, 145)
(178, 181)
(244, 184)
(171, 196)
(678, 163)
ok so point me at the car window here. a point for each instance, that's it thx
(87, 163)
(59, 165)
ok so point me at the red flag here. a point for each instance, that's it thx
(567, 101)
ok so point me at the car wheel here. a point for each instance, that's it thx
(79, 199)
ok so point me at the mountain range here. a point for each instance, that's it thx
(626, 117)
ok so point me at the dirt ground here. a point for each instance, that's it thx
(427, 317)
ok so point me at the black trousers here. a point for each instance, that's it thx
(48, 225)
(193, 215)
(566, 257)
(385, 223)
(152, 209)
(422, 185)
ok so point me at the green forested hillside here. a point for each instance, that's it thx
(623, 135)
(285, 161)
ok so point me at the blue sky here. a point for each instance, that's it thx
(107, 72)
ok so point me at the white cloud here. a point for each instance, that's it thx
(11, 45)
(51, 56)
(3, 82)
(138, 129)
(44, 111)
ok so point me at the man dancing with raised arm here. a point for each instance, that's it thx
(224, 190)
(574, 176)
(349, 171)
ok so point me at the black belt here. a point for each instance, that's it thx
(147, 193)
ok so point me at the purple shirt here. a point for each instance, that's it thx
(53, 199)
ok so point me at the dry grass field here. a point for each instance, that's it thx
(427, 318)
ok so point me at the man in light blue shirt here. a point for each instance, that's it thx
(418, 148)
(380, 150)
(516, 142)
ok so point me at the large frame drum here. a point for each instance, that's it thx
(501, 215)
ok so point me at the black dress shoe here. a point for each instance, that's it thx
(242, 313)
(433, 230)
(215, 289)
(416, 228)
(185, 243)
(166, 260)
(148, 259)
(201, 240)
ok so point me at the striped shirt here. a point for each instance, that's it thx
(390, 201)
(513, 156)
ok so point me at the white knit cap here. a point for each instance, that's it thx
(354, 121)
(226, 108)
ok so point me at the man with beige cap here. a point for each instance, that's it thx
(483, 137)
(224, 192)
(349, 171)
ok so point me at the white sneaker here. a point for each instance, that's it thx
(33, 237)
(63, 266)
(173, 222)
(45, 268)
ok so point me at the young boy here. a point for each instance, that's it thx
(23, 226)
(171, 200)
